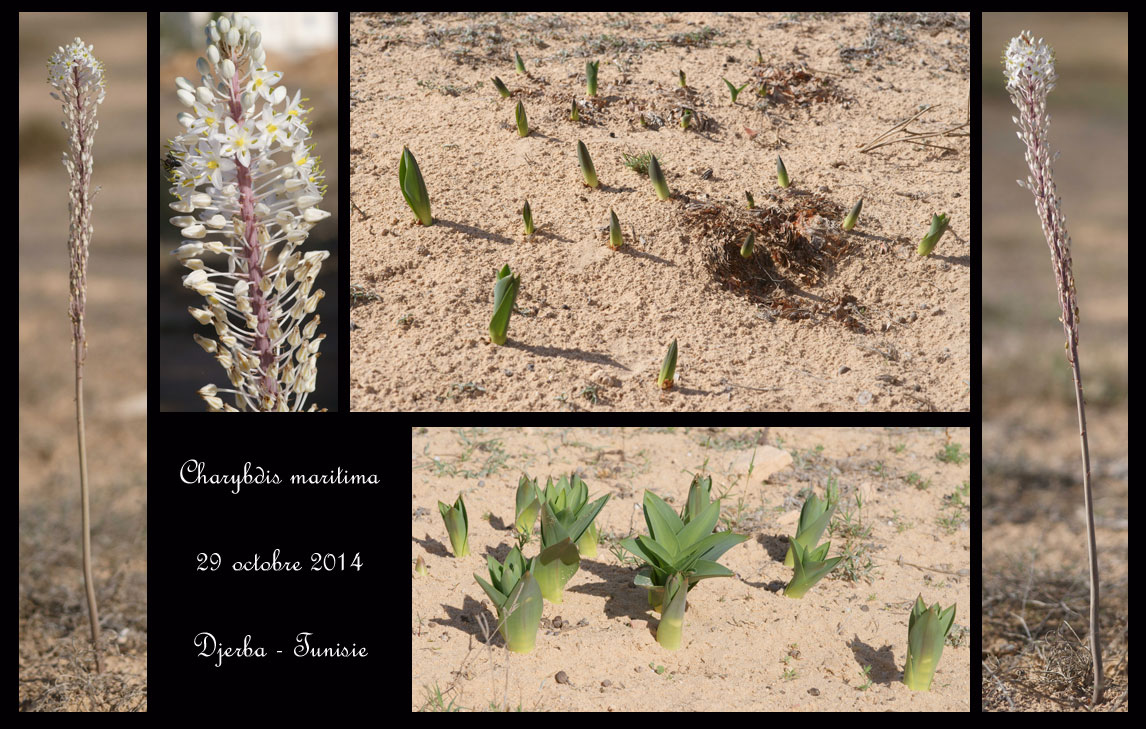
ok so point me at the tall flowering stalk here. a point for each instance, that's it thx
(1030, 75)
(244, 163)
(78, 77)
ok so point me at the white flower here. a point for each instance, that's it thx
(1029, 63)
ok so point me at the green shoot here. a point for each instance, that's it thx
(519, 64)
(683, 85)
(686, 119)
(528, 504)
(638, 163)
(853, 216)
(414, 188)
(781, 173)
(732, 90)
(565, 518)
(591, 76)
(929, 241)
(527, 216)
(574, 114)
(517, 598)
(615, 238)
(522, 122)
(751, 202)
(658, 178)
(927, 629)
(457, 525)
(587, 170)
(668, 368)
(749, 242)
(759, 58)
(500, 86)
(814, 518)
(504, 296)
(420, 567)
(809, 567)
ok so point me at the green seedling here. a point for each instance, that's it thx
(571, 494)
(668, 368)
(751, 201)
(500, 86)
(574, 114)
(413, 187)
(749, 242)
(518, 63)
(814, 518)
(587, 170)
(504, 296)
(732, 90)
(929, 241)
(529, 498)
(517, 597)
(686, 119)
(615, 238)
(759, 58)
(658, 178)
(677, 556)
(522, 122)
(781, 173)
(527, 216)
(591, 76)
(683, 85)
(927, 629)
(420, 567)
(565, 517)
(458, 526)
(853, 216)
(809, 567)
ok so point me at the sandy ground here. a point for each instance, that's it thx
(1034, 544)
(818, 320)
(746, 646)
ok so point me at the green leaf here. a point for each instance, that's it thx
(522, 122)
(809, 568)
(457, 524)
(527, 216)
(781, 172)
(500, 86)
(929, 241)
(668, 368)
(660, 186)
(672, 619)
(518, 63)
(927, 629)
(853, 216)
(814, 518)
(615, 238)
(555, 566)
(504, 296)
(587, 169)
(732, 90)
(516, 595)
(528, 504)
(749, 243)
(414, 187)
(591, 77)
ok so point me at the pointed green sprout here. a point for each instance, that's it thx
(678, 555)
(522, 122)
(751, 202)
(420, 568)
(683, 85)
(809, 567)
(504, 296)
(686, 118)
(563, 524)
(615, 238)
(527, 216)
(574, 114)
(668, 368)
(732, 90)
(814, 518)
(587, 170)
(517, 597)
(591, 76)
(759, 58)
(781, 173)
(571, 494)
(927, 629)
(500, 86)
(699, 497)
(458, 526)
(413, 187)
(938, 228)
(529, 498)
(658, 178)
(749, 242)
(517, 62)
(853, 216)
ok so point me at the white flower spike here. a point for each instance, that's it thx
(247, 186)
